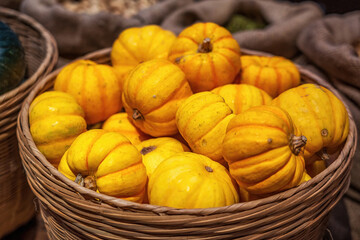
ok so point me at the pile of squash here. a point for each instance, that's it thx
(186, 121)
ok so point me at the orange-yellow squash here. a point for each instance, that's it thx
(153, 92)
(202, 120)
(316, 167)
(240, 97)
(94, 86)
(121, 123)
(208, 54)
(245, 196)
(156, 150)
(272, 74)
(55, 121)
(139, 44)
(319, 115)
(264, 150)
(190, 180)
(106, 162)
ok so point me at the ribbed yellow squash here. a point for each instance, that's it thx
(240, 97)
(156, 150)
(208, 55)
(106, 162)
(190, 180)
(264, 150)
(94, 86)
(202, 120)
(139, 44)
(245, 196)
(153, 92)
(121, 123)
(55, 121)
(319, 115)
(272, 74)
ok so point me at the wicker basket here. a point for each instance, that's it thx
(73, 212)
(16, 198)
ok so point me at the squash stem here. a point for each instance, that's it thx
(296, 143)
(88, 182)
(79, 180)
(137, 115)
(323, 154)
(205, 46)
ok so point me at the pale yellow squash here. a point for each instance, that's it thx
(156, 150)
(56, 119)
(106, 162)
(153, 92)
(240, 97)
(121, 123)
(202, 120)
(190, 180)
(319, 115)
(264, 150)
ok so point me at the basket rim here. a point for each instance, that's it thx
(51, 50)
(23, 128)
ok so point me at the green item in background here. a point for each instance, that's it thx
(239, 22)
(12, 59)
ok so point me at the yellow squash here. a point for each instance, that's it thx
(139, 44)
(272, 74)
(202, 120)
(153, 92)
(240, 97)
(94, 86)
(245, 196)
(106, 162)
(316, 167)
(156, 150)
(208, 55)
(120, 123)
(319, 115)
(190, 180)
(264, 150)
(55, 121)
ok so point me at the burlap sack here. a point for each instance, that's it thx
(285, 21)
(329, 44)
(13, 4)
(77, 34)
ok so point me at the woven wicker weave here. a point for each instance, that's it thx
(16, 198)
(73, 212)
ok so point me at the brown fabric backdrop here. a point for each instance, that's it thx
(285, 21)
(329, 44)
(78, 34)
(13, 4)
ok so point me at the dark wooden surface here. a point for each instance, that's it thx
(33, 230)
